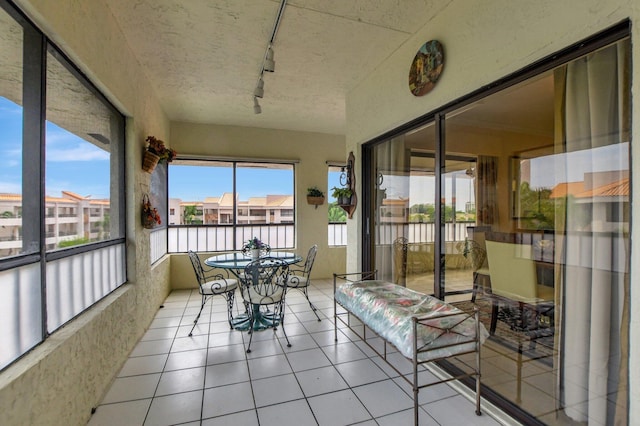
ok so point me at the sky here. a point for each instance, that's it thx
(194, 183)
(185, 182)
(72, 164)
(549, 170)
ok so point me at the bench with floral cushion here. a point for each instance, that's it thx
(419, 326)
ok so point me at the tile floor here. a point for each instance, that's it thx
(209, 379)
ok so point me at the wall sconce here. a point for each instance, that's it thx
(346, 175)
(345, 172)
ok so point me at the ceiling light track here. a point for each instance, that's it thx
(268, 62)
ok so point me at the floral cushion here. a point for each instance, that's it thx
(388, 310)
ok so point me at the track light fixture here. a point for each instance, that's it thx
(258, 92)
(256, 106)
(268, 63)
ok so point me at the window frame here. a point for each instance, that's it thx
(235, 163)
(35, 47)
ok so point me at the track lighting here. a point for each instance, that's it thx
(259, 90)
(256, 106)
(269, 63)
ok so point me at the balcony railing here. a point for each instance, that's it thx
(420, 232)
(337, 234)
(219, 238)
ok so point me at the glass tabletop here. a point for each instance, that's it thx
(237, 260)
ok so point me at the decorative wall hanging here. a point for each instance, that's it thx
(426, 68)
(346, 196)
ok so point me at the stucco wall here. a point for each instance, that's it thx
(485, 41)
(311, 150)
(59, 381)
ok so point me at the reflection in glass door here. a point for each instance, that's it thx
(534, 232)
(404, 209)
(462, 259)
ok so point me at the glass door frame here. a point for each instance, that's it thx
(438, 116)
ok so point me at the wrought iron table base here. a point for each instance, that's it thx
(263, 320)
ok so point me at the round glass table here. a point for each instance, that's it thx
(235, 263)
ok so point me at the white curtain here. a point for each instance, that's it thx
(392, 160)
(594, 282)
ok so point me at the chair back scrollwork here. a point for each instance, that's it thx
(197, 267)
(300, 278)
(263, 289)
(265, 281)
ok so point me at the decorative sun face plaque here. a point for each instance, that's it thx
(426, 68)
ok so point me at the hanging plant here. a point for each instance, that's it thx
(315, 196)
(156, 153)
(150, 216)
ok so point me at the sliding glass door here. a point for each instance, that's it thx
(520, 206)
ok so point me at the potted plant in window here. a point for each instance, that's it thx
(156, 152)
(315, 196)
(342, 195)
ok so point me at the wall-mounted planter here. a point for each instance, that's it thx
(149, 161)
(315, 201)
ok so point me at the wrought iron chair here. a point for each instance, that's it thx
(212, 285)
(301, 278)
(476, 255)
(264, 286)
(400, 254)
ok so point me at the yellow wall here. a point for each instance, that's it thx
(483, 42)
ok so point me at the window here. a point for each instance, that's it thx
(82, 137)
(158, 199)
(337, 216)
(241, 200)
(78, 214)
(11, 146)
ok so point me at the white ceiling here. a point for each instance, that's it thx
(203, 57)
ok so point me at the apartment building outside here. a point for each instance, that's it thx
(271, 209)
(68, 218)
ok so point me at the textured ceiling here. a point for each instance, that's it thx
(203, 57)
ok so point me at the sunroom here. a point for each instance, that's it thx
(522, 144)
